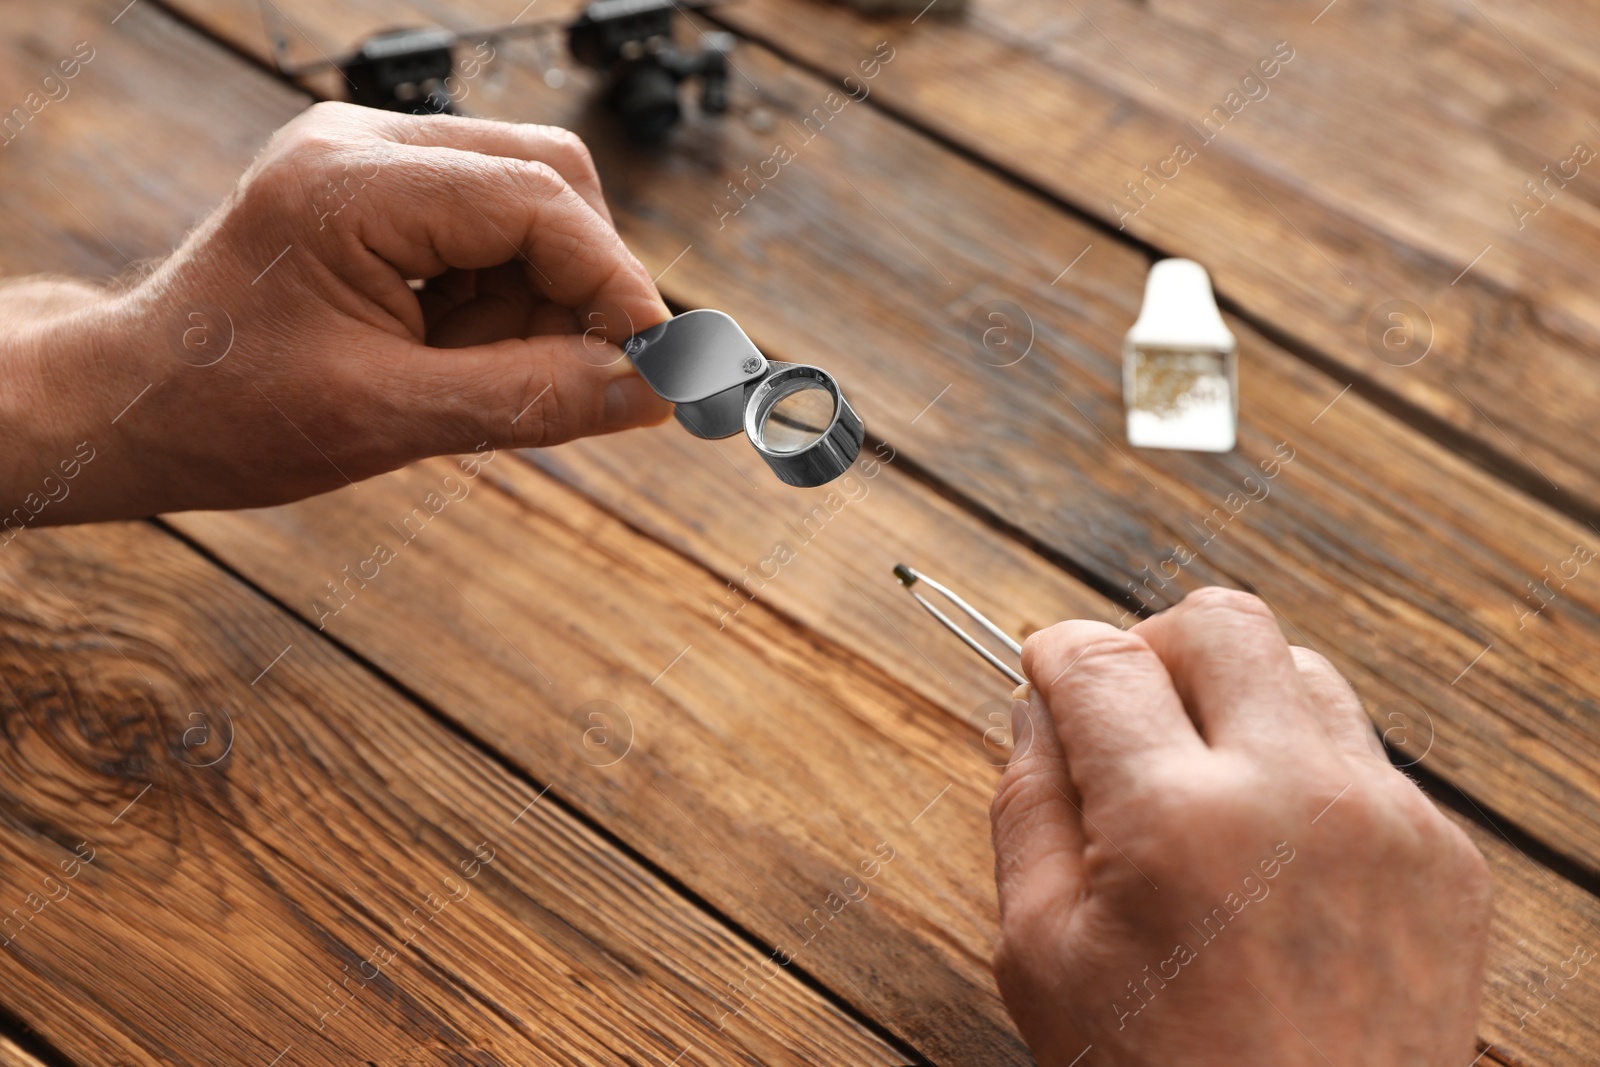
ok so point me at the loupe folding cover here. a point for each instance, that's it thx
(793, 414)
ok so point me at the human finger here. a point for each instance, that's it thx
(559, 148)
(501, 306)
(1034, 818)
(1114, 706)
(478, 211)
(1337, 707)
(516, 393)
(1232, 668)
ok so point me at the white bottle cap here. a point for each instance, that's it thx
(1180, 365)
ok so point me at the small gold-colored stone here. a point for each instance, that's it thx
(1167, 383)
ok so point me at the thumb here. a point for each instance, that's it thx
(1037, 827)
(516, 393)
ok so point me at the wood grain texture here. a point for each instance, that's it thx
(600, 600)
(765, 757)
(13, 1055)
(79, 205)
(1389, 155)
(212, 821)
(761, 766)
(1409, 567)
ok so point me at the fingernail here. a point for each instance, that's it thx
(1021, 727)
(629, 402)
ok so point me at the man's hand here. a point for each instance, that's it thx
(1203, 857)
(281, 352)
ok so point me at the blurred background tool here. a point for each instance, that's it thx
(629, 41)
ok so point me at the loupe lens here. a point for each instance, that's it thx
(796, 414)
(793, 415)
(801, 425)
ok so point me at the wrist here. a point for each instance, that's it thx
(68, 357)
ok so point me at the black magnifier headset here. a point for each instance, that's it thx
(794, 414)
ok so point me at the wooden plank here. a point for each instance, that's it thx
(90, 212)
(972, 827)
(13, 1055)
(1409, 567)
(1379, 164)
(766, 752)
(221, 839)
(764, 766)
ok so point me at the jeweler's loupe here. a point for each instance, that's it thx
(794, 414)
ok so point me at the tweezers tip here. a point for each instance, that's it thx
(907, 576)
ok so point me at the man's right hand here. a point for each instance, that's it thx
(1203, 857)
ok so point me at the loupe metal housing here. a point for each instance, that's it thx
(794, 414)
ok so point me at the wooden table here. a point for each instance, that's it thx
(564, 780)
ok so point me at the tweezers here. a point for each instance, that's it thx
(910, 578)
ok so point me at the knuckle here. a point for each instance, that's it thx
(1473, 874)
(1362, 814)
(541, 179)
(1394, 825)
(1225, 799)
(1316, 667)
(1463, 846)
(321, 128)
(1103, 659)
(1216, 598)
(335, 112)
(569, 144)
(1111, 648)
(1077, 646)
(540, 411)
(1020, 792)
(1435, 834)
(304, 154)
(1311, 661)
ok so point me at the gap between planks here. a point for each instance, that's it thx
(1446, 793)
(1458, 800)
(1475, 452)
(938, 487)
(21, 1047)
(488, 751)
(1521, 476)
